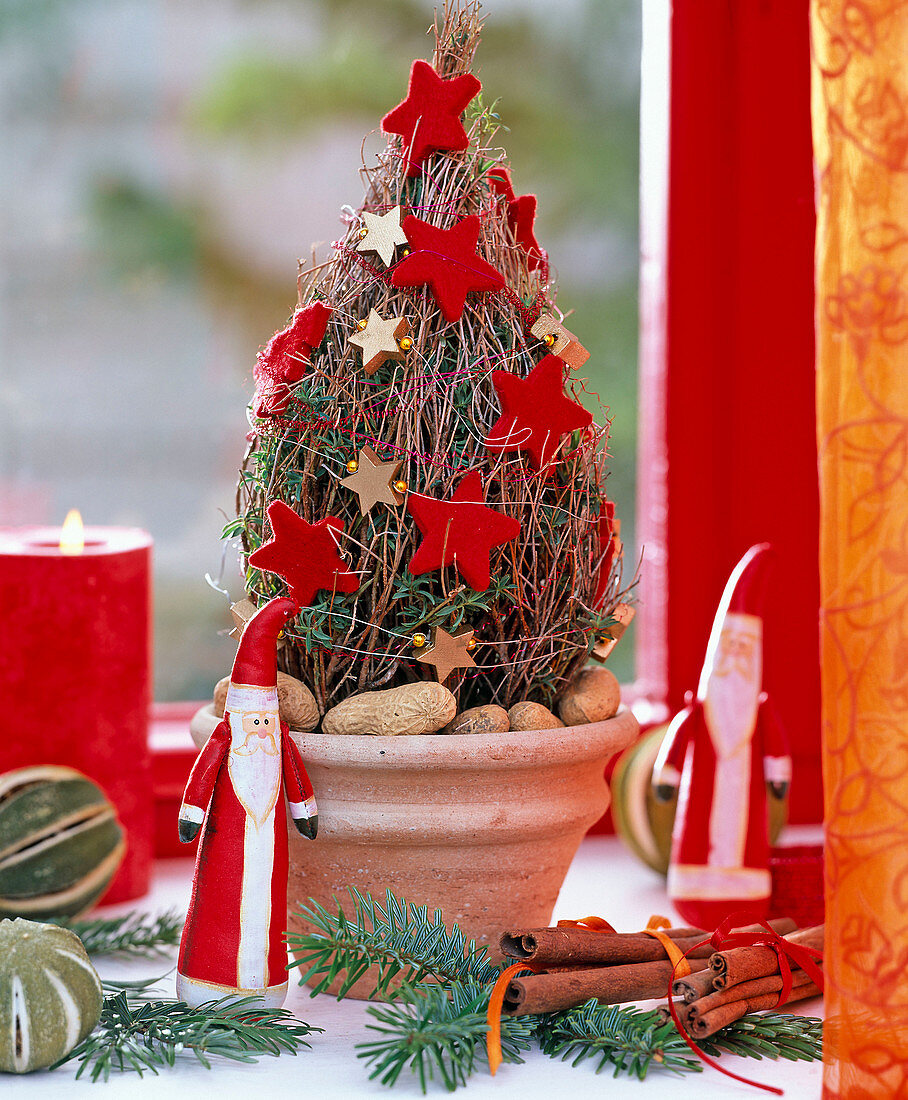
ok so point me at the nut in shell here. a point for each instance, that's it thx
(532, 716)
(595, 696)
(410, 709)
(297, 703)
(485, 719)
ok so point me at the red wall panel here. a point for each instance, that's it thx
(730, 458)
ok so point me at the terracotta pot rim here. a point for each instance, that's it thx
(515, 748)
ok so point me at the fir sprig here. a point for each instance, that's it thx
(399, 939)
(769, 1035)
(626, 1039)
(133, 934)
(440, 1030)
(147, 1037)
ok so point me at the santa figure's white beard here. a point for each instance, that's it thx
(732, 695)
(255, 770)
(731, 703)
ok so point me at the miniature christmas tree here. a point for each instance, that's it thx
(420, 469)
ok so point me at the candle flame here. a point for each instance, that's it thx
(72, 537)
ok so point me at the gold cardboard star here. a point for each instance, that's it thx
(379, 340)
(241, 612)
(561, 341)
(623, 613)
(447, 652)
(382, 234)
(371, 481)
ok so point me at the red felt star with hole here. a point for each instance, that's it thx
(446, 260)
(285, 358)
(462, 531)
(536, 414)
(521, 216)
(429, 118)
(304, 554)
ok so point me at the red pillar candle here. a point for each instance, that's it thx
(75, 644)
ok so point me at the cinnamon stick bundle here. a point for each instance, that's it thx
(702, 1024)
(577, 946)
(611, 985)
(743, 964)
(741, 992)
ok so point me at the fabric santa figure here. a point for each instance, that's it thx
(232, 941)
(722, 749)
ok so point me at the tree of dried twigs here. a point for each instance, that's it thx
(536, 624)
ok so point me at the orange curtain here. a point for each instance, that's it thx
(860, 127)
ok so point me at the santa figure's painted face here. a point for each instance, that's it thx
(255, 731)
(733, 687)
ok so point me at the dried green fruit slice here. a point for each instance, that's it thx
(60, 842)
(50, 994)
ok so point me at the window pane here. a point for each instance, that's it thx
(167, 164)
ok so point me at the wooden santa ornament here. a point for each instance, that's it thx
(233, 939)
(722, 750)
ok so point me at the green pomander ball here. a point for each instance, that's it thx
(50, 995)
(60, 843)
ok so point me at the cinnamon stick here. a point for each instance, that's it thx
(743, 964)
(551, 992)
(741, 992)
(576, 946)
(695, 985)
(702, 1026)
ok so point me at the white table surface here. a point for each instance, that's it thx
(604, 879)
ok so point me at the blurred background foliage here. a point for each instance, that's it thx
(173, 158)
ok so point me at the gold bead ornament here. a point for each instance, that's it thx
(406, 343)
(419, 640)
(352, 465)
(549, 340)
(361, 324)
(400, 486)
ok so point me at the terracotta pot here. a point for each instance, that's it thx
(481, 826)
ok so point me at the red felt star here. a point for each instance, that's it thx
(521, 216)
(304, 554)
(535, 412)
(285, 358)
(605, 531)
(429, 118)
(462, 530)
(446, 260)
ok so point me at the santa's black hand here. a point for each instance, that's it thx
(188, 830)
(308, 826)
(664, 792)
(779, 790)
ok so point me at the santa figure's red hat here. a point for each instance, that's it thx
(253, 681)
(744, 593)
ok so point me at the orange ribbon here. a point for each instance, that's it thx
(589, 924)
(680, 965)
